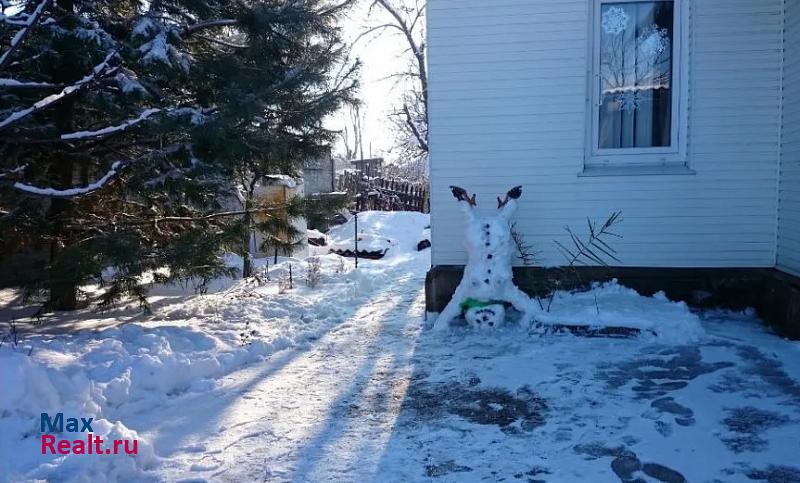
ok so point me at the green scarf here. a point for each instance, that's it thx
(475, 304)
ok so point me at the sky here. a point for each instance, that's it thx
(381, 55)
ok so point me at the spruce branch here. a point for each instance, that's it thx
(113, 172)
(102, 69)
(190, 29)
(16, 41)
(14, 171)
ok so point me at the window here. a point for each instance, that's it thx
(636, 73)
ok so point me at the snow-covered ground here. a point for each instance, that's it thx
(341, 382)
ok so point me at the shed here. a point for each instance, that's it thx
(277, 189)
(370, 167)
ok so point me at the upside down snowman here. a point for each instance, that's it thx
(487, 283)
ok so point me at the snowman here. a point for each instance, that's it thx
(487, 284)
(483, 315)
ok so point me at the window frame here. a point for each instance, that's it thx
(673, 155)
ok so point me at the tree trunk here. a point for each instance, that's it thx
(247, 262)
(63, 287)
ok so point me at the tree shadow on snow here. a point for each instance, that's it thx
(233, 424)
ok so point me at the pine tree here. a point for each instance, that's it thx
(128, 130)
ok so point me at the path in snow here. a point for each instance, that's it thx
(378, 399)
(326, 410)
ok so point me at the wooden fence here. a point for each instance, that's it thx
(384, 194)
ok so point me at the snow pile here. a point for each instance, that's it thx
(395, 231)
(314, 233)
(109, 375)
(613, 305)
(35, 385)
(282, 180)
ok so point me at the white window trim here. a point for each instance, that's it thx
(672, 156)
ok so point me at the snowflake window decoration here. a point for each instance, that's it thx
(628, 101)
(615, 20)
(653, 43)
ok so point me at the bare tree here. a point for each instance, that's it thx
(407, 19)
(410, 169)
(352, 133)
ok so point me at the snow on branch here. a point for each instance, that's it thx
(17, 39)
(115, 169)
(190, 29)
(14, 171)
(71, 192)
(18, 19)
(336, 8)
(101, 68)
(197, 115)
(412, 126)
(13, 83)
(159, 50)
(110, 129)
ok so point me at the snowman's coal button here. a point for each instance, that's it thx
(486, 281)
(489, 256)
(489, 271)
(486, 226)
(487, 244)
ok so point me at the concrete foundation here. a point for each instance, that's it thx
(775, 295)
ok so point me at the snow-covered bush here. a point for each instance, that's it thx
(285, 282)
(313, 272)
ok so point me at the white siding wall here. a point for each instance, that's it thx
(507, 101)
(789, 209)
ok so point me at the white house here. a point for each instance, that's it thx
(683, 114)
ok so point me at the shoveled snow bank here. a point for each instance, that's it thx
(613, 305)
(31, 386)
(397, 231)
(108, 375)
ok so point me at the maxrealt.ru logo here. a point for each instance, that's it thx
(91, 445)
